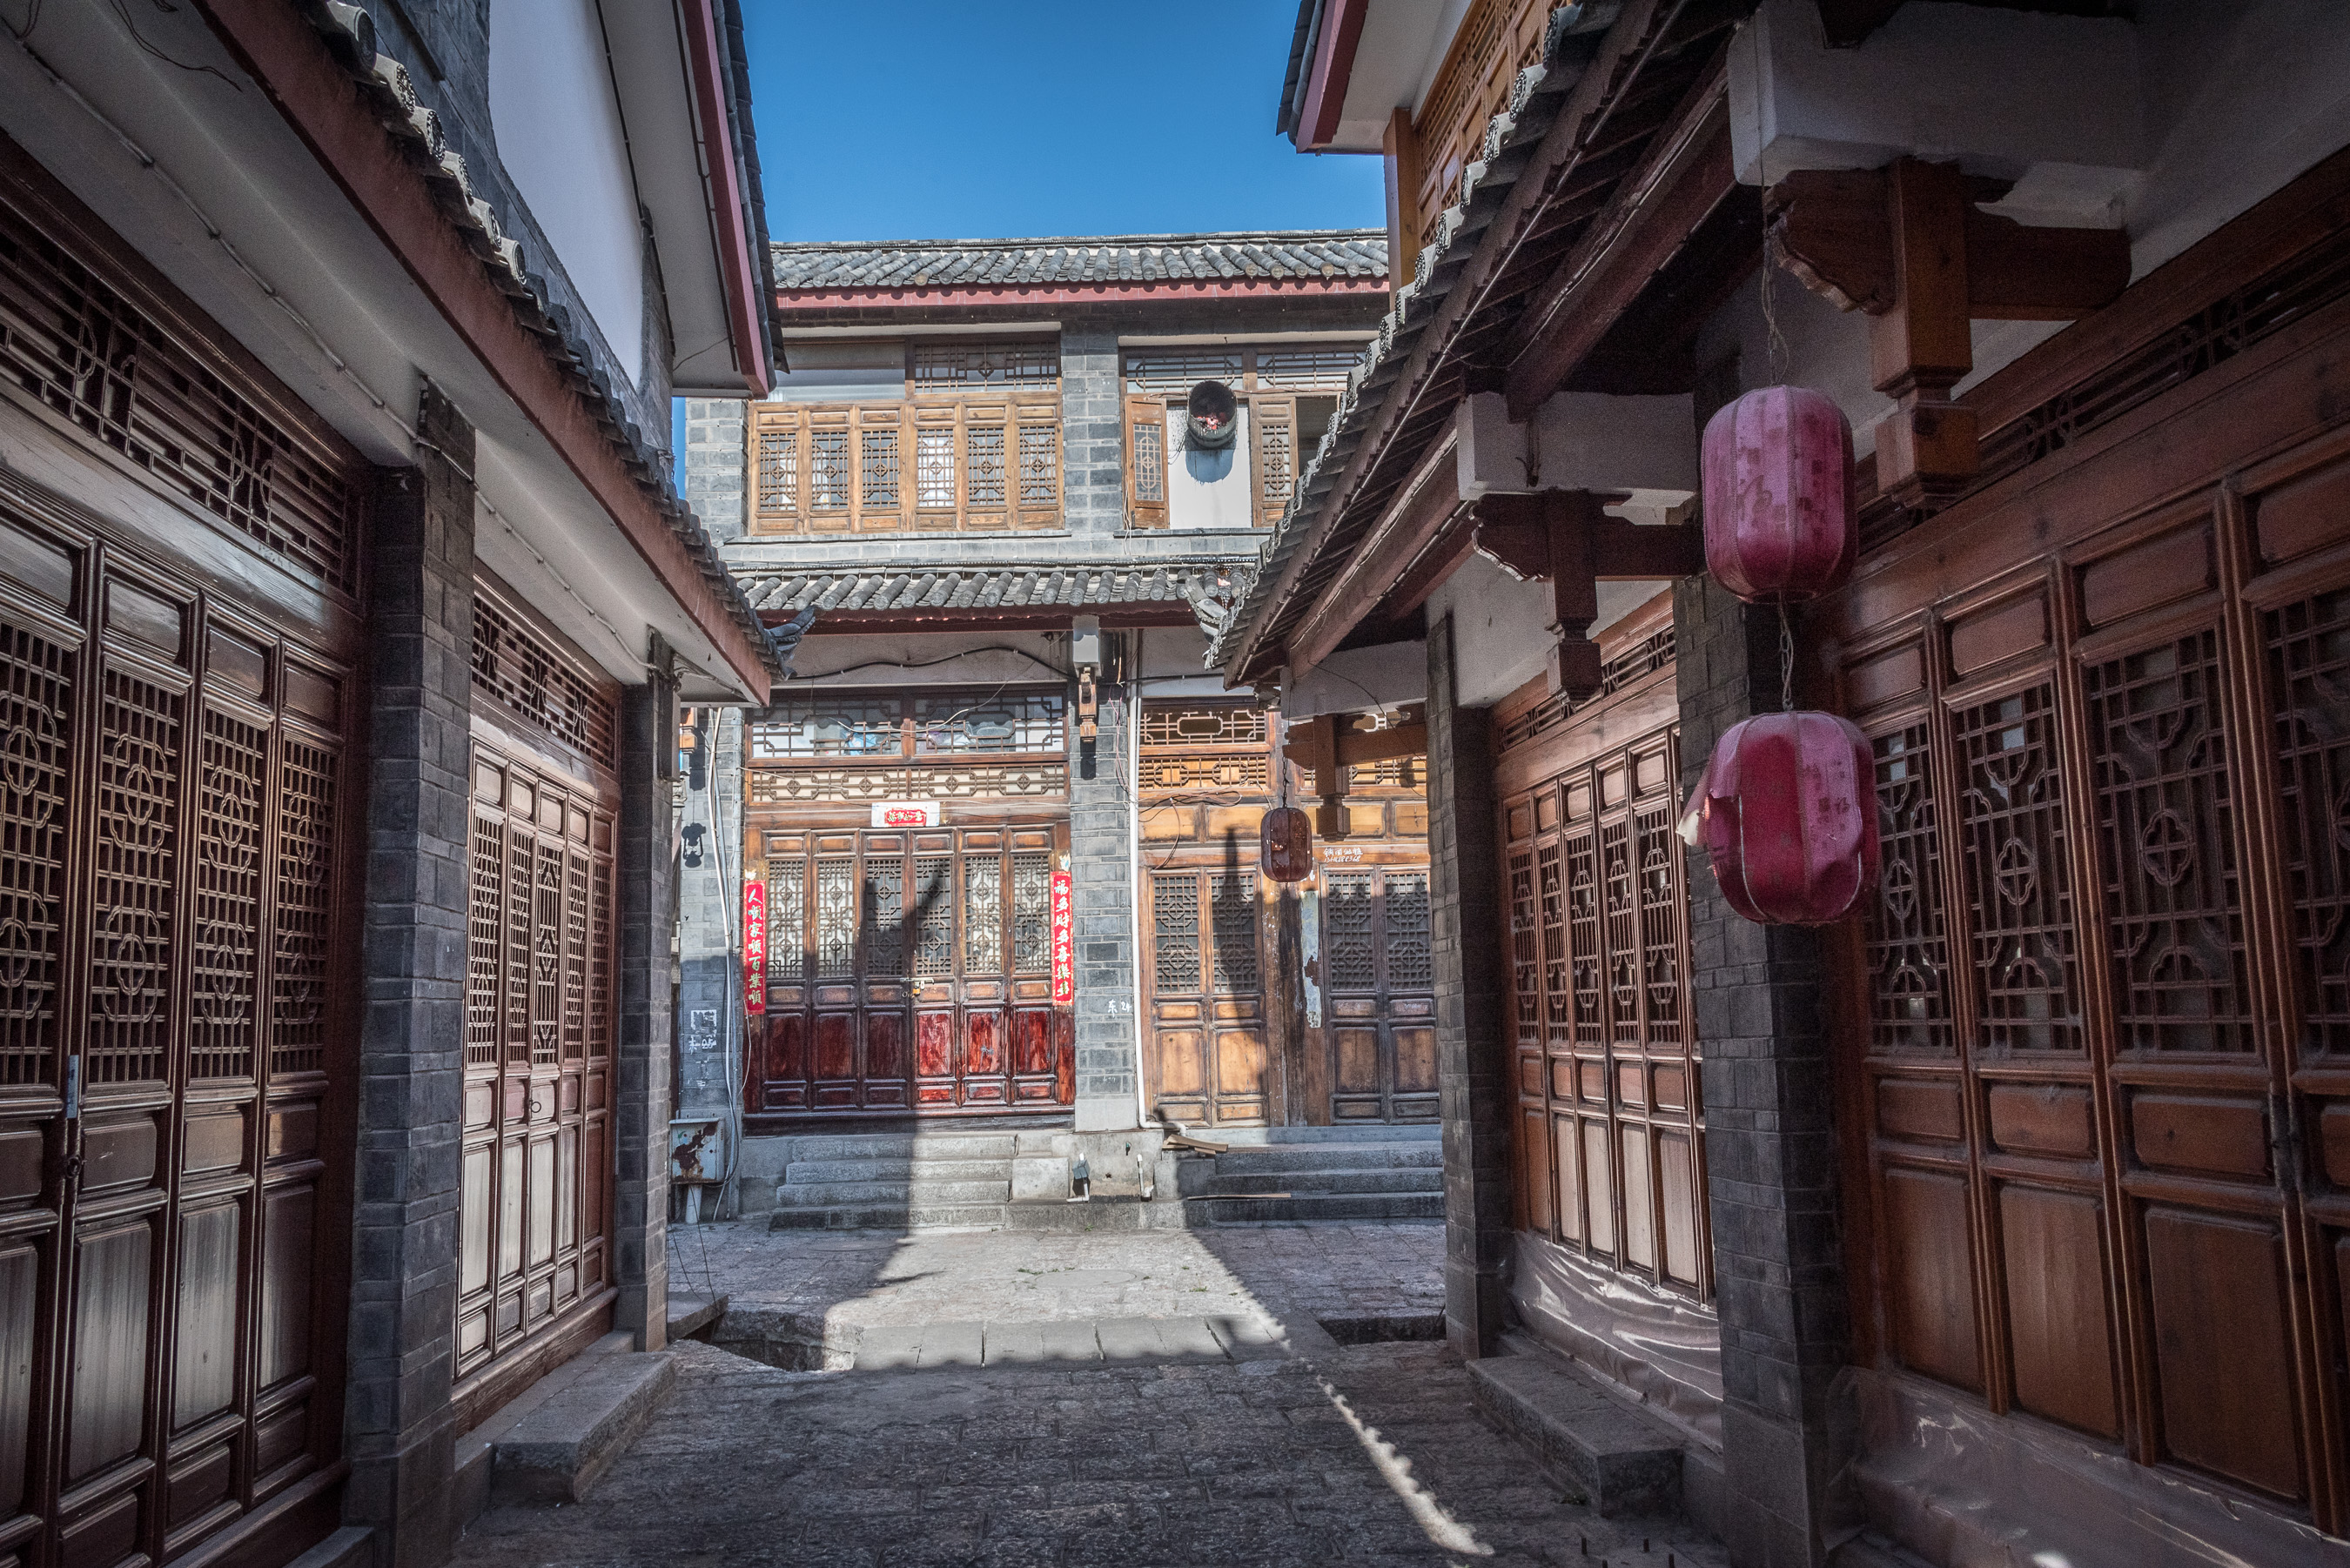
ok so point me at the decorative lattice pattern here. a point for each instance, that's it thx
(1040, 464)
(225, 982)
(303, 936)
(1150, 460)
(37, 696)
(880, 473)
(1909, 956)
(1233, 899)
(933, 916)
(522, 669)
(983, 916)
(2165, 817)
(2309, 674)
(1165, 776)
(1029, 722)
(1526, 948)
(2012, 830)
(779, 471)
(485, 913)
(1645, 656)
(836, 919)
(1349, 958)
(934, 479)
(1031, 914)
(1410, 966)
(950, 367)
(786, 918)
(1175, 934)
(1218, 726)
(138, 865)
(1323, 369)
(986, 467)
(1177, 370)
(829, 470)
(99, 361)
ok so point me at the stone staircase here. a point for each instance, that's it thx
(894, 1182)
(955, 1179)
(1283, 1175)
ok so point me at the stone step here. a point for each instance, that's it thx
(891, 1216)
(1330, 1156)
(1624, 1460)
(865, 1194)
(1313, 1206)
(559, 1452)
(812, 1172)
(1344, 1132)
(825, 1146)
(346, 1548)
(476, 1451)
(1410, 1178)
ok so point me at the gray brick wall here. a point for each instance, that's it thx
(398, 1426)
(712, 475)
(1769, 1142)
(1093, 479)
(1101, 867)
(1472, 1050)
(648, 1003)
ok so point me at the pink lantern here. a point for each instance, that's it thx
(1787, 810)
(1777, 469)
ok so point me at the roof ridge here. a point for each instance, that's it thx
(1040, 242)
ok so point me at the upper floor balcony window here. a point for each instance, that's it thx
(1285, 395)
(1495, 41)
(962, 436)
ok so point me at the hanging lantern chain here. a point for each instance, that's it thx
(1786, 661)
(1774, 342)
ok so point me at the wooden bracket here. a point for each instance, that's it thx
(1566, 537)
(1908, 245)
(1325, 747)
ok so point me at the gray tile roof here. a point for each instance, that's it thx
(915, 590)
(1110, 258)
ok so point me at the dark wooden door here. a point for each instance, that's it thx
(1378, 994)
(171, 786)
(1611, 1128)
(912, 970)
(179, 796)
(536, 1169)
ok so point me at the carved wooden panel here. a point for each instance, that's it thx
(203, 892)
(533, 1178)
(901, 982)
(987, 461)
(1596, 908)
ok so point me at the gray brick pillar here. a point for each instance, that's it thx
(1770, 1147)
(398, 1425)
(1093, 483)
(1471, 1000)
(712, 467)
(647, 1001)
(1101, 868)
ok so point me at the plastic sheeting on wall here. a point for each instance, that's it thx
(1665, 1349)
(1963, 1486)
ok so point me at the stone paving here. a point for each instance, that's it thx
(799, 1287)
(1134, 1400)
(1372, 1456)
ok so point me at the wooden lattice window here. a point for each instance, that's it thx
(815, 750)
(521, 664)
(2018, 886)
(979, 463)
(963, 365)
(1909, 958)
(1287, 396)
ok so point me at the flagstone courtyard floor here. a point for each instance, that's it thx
(1008, 1400)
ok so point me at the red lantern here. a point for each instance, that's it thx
(1787, 809)
(1285, 844)
(1778, 496)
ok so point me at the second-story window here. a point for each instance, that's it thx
(1286, 396)
(958, 436)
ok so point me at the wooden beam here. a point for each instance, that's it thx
(1687, 172)
(1563, 147)
(1330, 72)
(1424, 504)
(1401, 149)
(1437, 562)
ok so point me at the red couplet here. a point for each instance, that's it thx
(1788, 811)
(754, 948)
(1777, 471)
(1064, 951)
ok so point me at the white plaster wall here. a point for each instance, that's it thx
(557, 118)
(823, 373)
(1207, 490)
(1500, 631)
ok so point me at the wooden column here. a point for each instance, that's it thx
(1401, 146)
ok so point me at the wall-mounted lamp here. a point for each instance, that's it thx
(1086, 657)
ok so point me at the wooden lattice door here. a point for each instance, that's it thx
(172, 906)
(1611, 1131)
(912, 970)
(1378, 996)
(1206, 983)
(534, 1267)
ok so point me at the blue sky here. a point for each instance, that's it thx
(964, 119)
